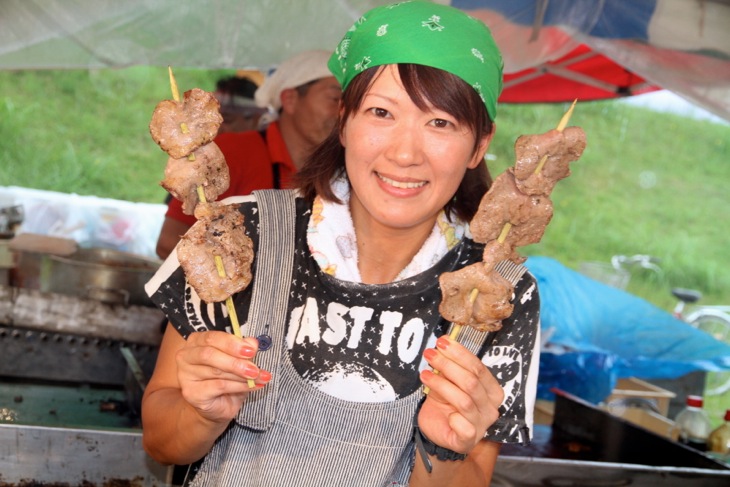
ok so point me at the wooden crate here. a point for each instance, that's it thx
(544, 412)
(650, 420)
(633, 388)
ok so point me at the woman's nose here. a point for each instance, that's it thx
(406, 146)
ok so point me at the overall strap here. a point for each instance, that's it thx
(469, 336)
(269, 299)
(275, 166)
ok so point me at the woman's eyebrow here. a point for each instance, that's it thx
(381, 96)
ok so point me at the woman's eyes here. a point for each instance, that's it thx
(436, 122)
(380, 112)
(441, 123)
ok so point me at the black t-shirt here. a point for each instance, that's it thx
(365, 342)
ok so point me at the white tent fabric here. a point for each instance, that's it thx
(679, 45)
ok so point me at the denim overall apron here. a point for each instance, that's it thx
(338, 442)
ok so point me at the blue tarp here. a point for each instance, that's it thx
(646, 341)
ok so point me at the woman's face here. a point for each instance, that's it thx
(404, 163)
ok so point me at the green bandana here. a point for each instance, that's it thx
(423, 33)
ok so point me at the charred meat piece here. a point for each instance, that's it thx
(484, 312)
(495, 252)
(516, 208)
(505, 203)
(208, 170)
(561, 148)
(181, 127)
(218, 232)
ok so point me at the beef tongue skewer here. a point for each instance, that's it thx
(197, 171)
(514, 212)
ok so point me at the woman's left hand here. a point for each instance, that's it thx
(463, 400)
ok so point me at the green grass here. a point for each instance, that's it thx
(647, 183)
(86, 132)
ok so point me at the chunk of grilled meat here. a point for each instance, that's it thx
(504, 203)
(516, 208)
(181, 127)
(218, 232)
(208, 170)
(487, 309)
(561, 148)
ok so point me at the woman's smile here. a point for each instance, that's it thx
(401, 184)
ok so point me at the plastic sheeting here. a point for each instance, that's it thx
(584, 315)
(679, 45)
(89, 220)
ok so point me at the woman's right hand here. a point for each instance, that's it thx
(213, 370)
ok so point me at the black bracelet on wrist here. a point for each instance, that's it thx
(427, 447)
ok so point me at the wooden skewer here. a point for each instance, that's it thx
(508, 226)
(561, 126)
(201, 196)
(173, 85)
(176, 97)
(456, 328)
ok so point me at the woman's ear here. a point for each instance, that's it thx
(482, 148)
(341, 124)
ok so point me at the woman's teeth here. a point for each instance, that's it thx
(401, 185)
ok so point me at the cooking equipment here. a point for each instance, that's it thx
(69, 398)
(10, 218)
(39, 329)
(34, 242)
(38, 455)
(78, 338)
(106, 275)
(587, 446)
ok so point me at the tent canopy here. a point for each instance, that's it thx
(554, 50)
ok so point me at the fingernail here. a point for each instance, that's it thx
(247, 351)
(264, 376)
(442, 343)
(429, 354)
(250, 370)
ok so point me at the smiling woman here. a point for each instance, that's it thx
(350, 300)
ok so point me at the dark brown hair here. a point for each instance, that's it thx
(425, 85)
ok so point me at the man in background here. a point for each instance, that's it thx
(302, 98)
(238, 107)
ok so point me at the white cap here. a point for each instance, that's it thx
(296, 71)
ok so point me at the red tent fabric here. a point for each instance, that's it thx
(582, 74)
(678, 45)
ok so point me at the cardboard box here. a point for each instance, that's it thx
(632, 392)
(544, 412)
(650, 420)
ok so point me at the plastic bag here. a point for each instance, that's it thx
(89, 220)
(588, 375)
(585, 315)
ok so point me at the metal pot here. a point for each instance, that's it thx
(106, 275)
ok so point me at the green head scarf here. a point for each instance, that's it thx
(423, 33)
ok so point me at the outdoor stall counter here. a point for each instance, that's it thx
(71, 379)
(588, 446)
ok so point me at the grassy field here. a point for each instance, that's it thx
(647, 183)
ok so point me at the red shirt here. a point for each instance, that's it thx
(250, 162)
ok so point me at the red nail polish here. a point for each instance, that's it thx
(442, 343)
(248, 352)
(429, 354)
